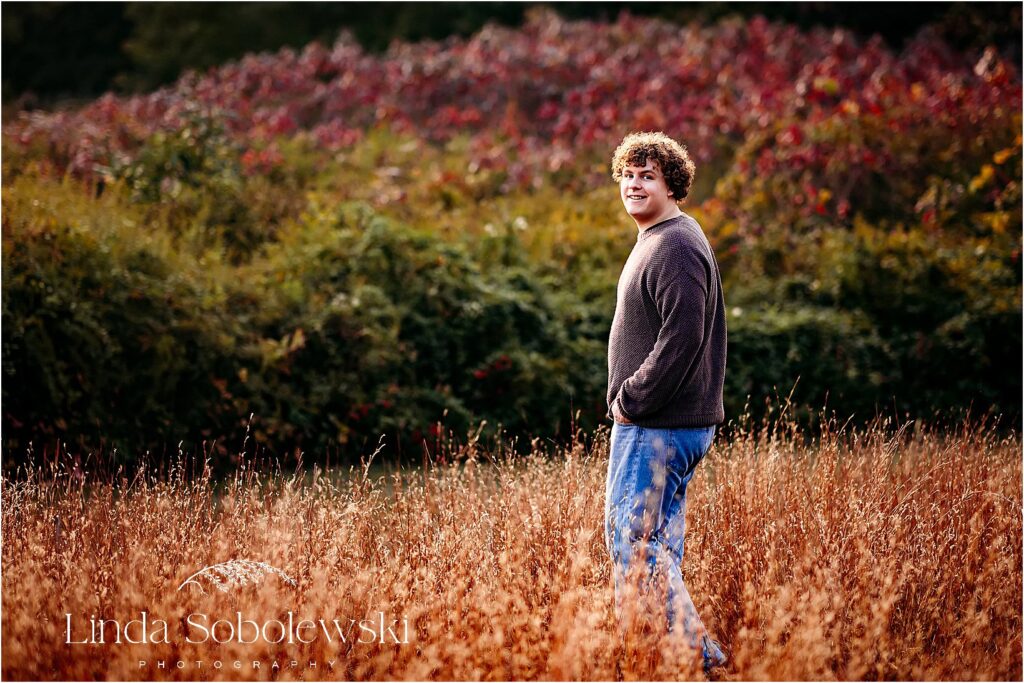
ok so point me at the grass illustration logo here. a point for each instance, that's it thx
(234, 573)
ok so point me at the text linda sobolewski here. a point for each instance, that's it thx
(202, 628)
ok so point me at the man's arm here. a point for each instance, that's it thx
(680, 294)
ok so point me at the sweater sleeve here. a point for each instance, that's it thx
(679, 288)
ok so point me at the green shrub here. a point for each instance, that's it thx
(816, 356)
(209, 189)
(948, 306)
(396, 331)
(105, 339)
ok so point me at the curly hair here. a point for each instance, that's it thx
(671, 157)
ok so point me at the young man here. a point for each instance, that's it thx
(666, 369)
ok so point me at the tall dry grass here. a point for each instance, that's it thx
(870, 554)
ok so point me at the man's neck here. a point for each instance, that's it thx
(674, 212)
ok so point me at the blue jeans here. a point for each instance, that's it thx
(645, 510)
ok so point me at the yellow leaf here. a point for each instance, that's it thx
(998, 221)
(982, 178)
(826, 85)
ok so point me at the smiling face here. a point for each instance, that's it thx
(645, 195)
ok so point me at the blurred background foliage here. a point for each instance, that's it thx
(59, 50)
(424, 242)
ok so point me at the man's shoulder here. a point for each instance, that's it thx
(684, 235)
(688, 226)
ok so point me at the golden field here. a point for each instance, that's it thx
(877, 553)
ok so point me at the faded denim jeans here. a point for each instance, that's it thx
(645, 508)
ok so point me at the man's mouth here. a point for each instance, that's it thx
(635, 197)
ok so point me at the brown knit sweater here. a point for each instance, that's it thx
(666, 351)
